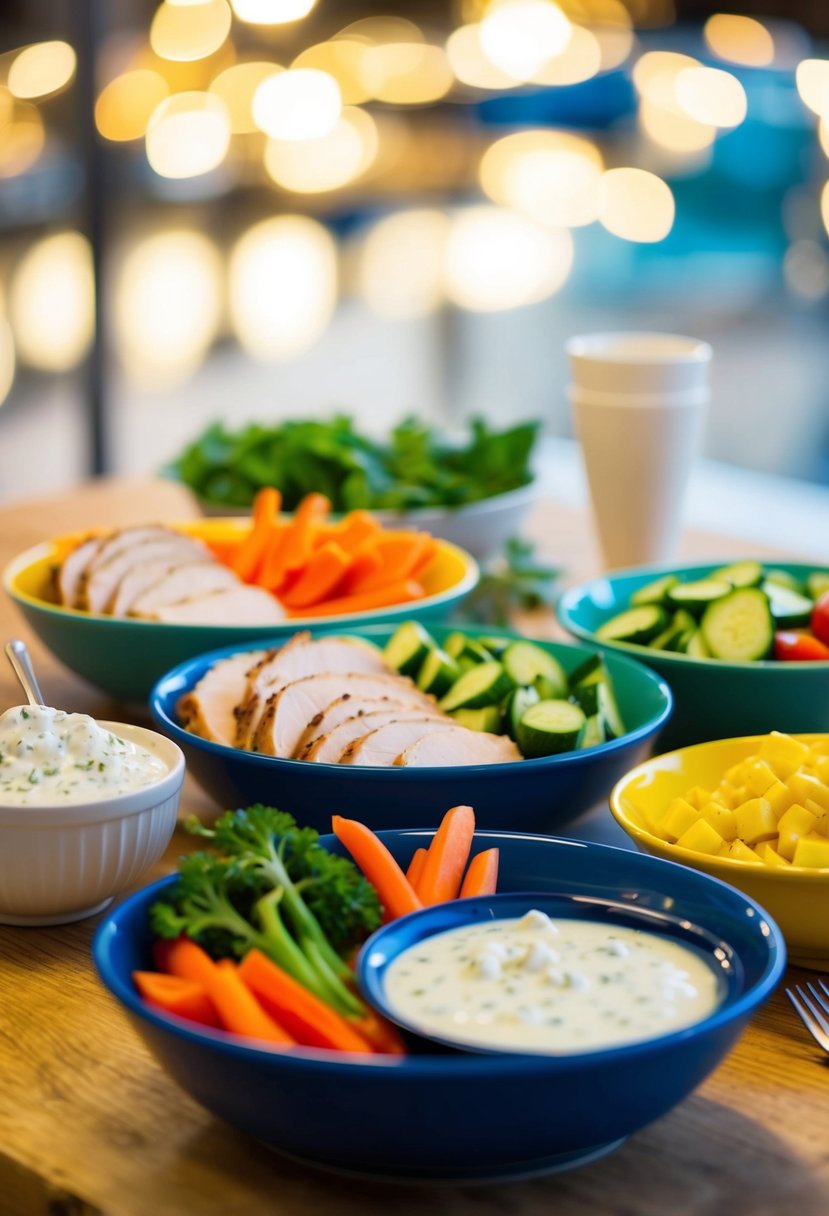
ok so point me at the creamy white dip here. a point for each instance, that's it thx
(48, 756)
(561, 985)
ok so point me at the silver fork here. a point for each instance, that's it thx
(812, 1007)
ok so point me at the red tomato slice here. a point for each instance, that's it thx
(798, 647)
(820, 619)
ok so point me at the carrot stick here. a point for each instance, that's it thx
(247, 557)
(394, 593)
(416, 867)
(354, 529)
(319, 578)
(366, 560)
(378, 865)
(383, 1036)
(311, 1022)
(482, 875)
(447, 856)
(400, 553)
(238, 1008)
(171, 994)
(294, 546)
(185, 959)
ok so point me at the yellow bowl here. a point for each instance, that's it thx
(797, 898)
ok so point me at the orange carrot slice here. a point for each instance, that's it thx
(249, 554)
(319, 578)
(295, 544)
(184, 958)
(482, 876)
(447, 856)
(394, 593)
(354, 529)
(383, 1036)
(238, 1008)
(308, 1019)
(400, 553)
(171, 994)
(416, 867)
(378, 865)
(365, 561)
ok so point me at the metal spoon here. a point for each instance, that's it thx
(18, 656)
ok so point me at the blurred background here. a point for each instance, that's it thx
(279, 208)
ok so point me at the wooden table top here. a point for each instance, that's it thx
(90, 1124)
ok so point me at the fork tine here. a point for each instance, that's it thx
(824, 986)
(821, 1000)
(807, 1019)
(816, 1013)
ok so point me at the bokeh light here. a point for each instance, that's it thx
(41, 69)
(806, 270)
(236, 87)
(297, 104)
(190, 31)
(812, 77)
(497, 259)
(824, 206)
(552, 176)
(712, 96)
(283, 286)
(580, 60)
(406, 73)
(636, 205)
(22, 139)
(272, 12)
(313, 166)
(400, 273)
(739, 40)
(124, 108)
(168, 307)
(469, 63)
(7, 356)
(519, 36)
(188, 134)
(661, 117)
(341, 58)
(51, 303)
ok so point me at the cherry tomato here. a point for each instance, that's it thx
(820, 618)
(798, 647)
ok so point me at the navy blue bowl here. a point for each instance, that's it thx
(461, 1116)
(528, 796)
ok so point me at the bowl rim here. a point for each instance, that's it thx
(569, 600)
(466, 1064)
(687, 857)
(353, 772)
(95, 811)
(37, 553)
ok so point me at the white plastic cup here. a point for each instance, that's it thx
(638, 402)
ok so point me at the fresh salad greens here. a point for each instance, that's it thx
(503, 686)
(270, 885)
(416, 467)
(516, 580)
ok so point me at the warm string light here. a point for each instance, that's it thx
(51, 302)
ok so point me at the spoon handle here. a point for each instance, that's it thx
(18, 656)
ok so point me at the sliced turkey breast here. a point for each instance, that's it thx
(385, 741)
(72, 571)
(458, 746)
(240, 605)
(209, 709)
(346, 706)
(289, 711)
(305, 657)
(190, 581)
(104, 581)
(335, 747)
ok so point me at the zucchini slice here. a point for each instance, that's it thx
(526, 663)
(407, 647)
(438, 672)
(817, 584)
(594, 733)
(636, 625)
(788, 607)
(695, 597)
(586, 668)
(486, 719)
(516, 705)
(740, 574)
(782, 578)
(696, 648)
(655, 592)
(551, 727)
(739, 626)
(612, 722)
(495, 646)
(484, 685)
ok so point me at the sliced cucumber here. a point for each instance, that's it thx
(465, 663)
(525, 663)
(484, 685)
(586, 668)
(696, 648)
(455, 645)
(695, 597)
(817, 584)
(740, 574)
(788, 608)
(682, 623)
(594, 733)
(438, 672)
(516, 705)
(637, 625)
(739, 626)
(681, 644)
(495, 646)
(586, 691)
(407, 647)
(782, 578)
(655, 592)
(551, 727)
(612, 722)
(487, 719)
(459, 646)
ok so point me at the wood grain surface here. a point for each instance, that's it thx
(90, 1124)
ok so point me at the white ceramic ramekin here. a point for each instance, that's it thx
(62, 862)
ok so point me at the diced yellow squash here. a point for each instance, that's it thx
(738, 850)
(804, 786)
(779, 797)
(679, 817)
(820, 768)
(782, 753)
(698, 796)
(760, 777)
(794, 823)
(722, 820)
(819, 747)
(724, 793)
(755, 820)
(812, 850)
(700, 837)
(769, 856)
(820, 815)
(736, 775)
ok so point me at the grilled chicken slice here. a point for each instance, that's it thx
(209, 709)
(239, 605)
(191, 581)
(145, 574)
(335, 747)
(289, 711)
(72, 570)
(346, 706)
(458, 746)
(109, 565)
(380, 746)
(305, 657)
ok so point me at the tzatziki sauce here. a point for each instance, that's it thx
(48, 756)
(551, 985)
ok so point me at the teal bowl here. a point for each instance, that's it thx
(713, 699)
(126, 657)
(527, 796)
